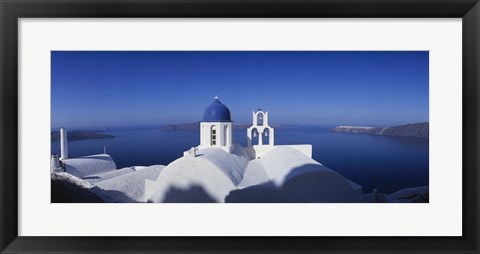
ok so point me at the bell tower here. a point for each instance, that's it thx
(260, 129)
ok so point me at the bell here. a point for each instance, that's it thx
(254, 134)
(266, 134)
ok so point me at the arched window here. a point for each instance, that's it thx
(213, 134)
(225, 135)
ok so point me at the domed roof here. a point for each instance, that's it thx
(216, 112)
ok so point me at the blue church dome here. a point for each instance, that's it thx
(216, 112)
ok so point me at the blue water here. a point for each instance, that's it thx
(384, 163)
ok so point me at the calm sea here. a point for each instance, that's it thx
(375, 162)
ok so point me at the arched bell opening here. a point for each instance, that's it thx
(255, 136)
(260, 118)
(266, 137)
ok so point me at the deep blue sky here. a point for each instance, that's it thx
(120, 88)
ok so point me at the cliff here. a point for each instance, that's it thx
(416, 130)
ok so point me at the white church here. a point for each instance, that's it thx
(220, 170)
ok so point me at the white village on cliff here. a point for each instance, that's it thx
(218, 170)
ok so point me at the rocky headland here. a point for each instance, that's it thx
(415, 130)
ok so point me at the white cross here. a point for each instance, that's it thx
(216, 97)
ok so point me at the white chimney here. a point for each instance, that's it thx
(63, 144)
(55, 164)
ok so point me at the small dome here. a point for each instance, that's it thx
(216, 112)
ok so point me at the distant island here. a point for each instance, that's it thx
(416, 130)
(196, 126)
(79, 135)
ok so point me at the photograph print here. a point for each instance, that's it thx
(239, 127)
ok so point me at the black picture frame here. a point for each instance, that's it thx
(12, 10)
